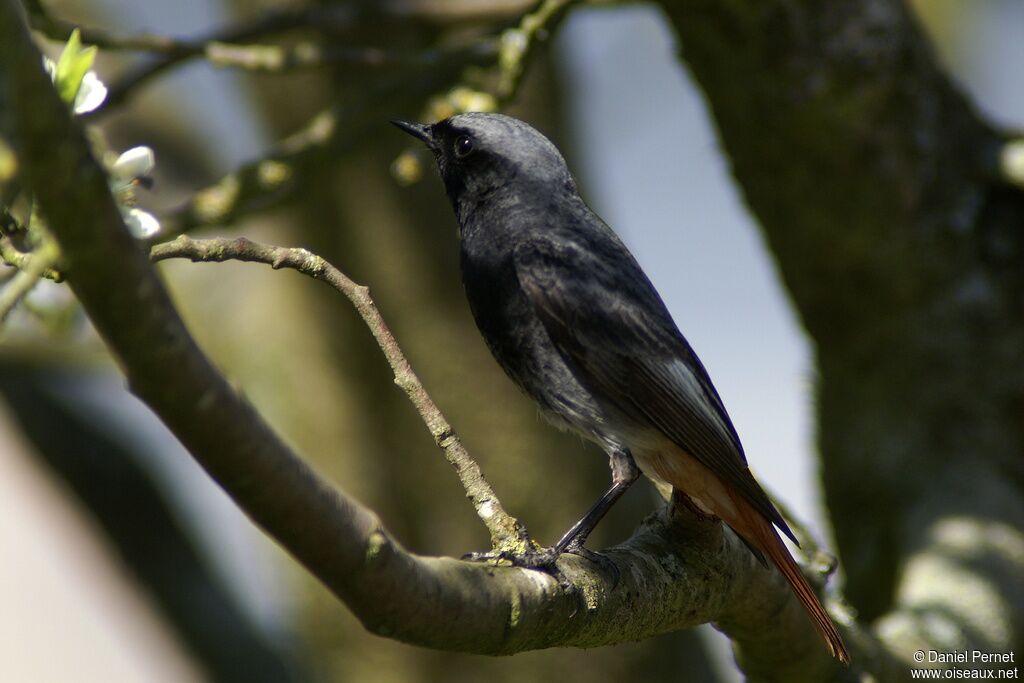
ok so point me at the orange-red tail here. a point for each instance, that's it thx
(763, 535)
(697, 481)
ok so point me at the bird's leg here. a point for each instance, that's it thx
(624, 473)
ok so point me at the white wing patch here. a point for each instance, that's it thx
(688, 383)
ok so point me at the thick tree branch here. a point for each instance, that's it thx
(671, 575)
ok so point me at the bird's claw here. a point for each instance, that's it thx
(543, 559)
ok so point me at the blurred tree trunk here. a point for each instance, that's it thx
(876, 186)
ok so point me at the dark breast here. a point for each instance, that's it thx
(519, 342)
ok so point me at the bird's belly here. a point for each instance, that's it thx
(563, 400)
(531, 360)
(664, 462)
(520, 343)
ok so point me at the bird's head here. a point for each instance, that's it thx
(483, 156)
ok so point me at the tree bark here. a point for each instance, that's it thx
(876, 186)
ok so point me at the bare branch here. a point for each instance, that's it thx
(174, 51)
(227, 46)
(260, 183)
(10, 255)
(506, 532)
(309, 54)
(32, 269)
(273, 178)
(452, 12)
(518, 43)
(220, 51)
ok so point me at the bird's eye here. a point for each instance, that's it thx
(463, 146)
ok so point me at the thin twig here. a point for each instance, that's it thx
(310, 54)
(10, 255)
(507, 533)
(272, 22)
(274, 177)
(257, 184)
(491, 88)
(174, 51)
(28, 277)
(518, 43)
(257, 57)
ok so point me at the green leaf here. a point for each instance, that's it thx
(72, 66)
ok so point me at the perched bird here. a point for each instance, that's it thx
(569, 314)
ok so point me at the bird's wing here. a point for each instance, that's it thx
(605, 316)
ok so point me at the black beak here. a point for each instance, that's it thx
(422, 131)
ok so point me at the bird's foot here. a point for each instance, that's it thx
(544, 559)
(535, 558)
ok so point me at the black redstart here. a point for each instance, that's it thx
(569, 314)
